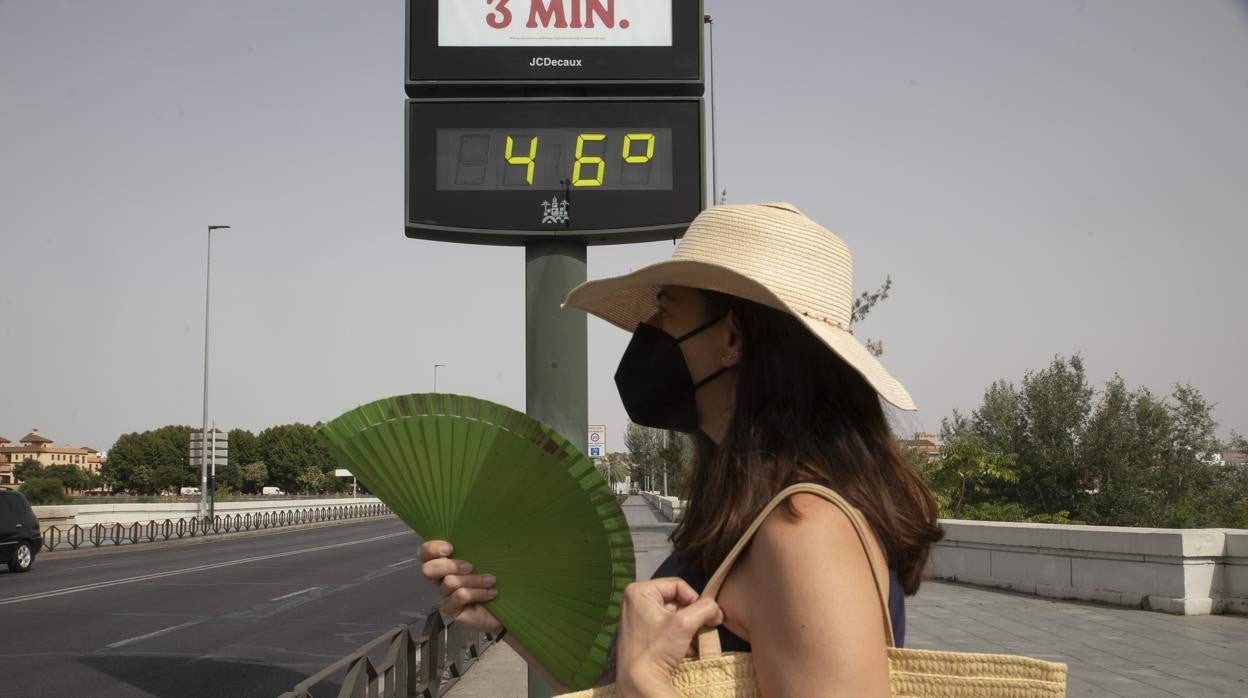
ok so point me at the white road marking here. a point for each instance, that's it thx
(131, 640)
(187, 570)
(295, 593)
(402, 562)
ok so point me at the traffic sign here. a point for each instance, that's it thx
(597, 439)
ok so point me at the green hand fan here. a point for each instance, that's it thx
(518, 501)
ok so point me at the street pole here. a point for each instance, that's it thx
(203, 444)
(716, 196)
(435, 376)
(556, 353)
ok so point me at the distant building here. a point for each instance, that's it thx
(1239, 458)
(924, 443)
(40, 448)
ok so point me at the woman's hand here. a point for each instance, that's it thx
(658, 622)
(462, 592)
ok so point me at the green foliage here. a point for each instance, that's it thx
(965, 472)
(44, 490)
(291, 449)
(156, 461)
(1059, 517)
(863, 305)
(1118, 458)
(243, 451)
(656, 453)
(28, 469)
(616, 466)
(311, 481)
(1237, 442)
(643, 445)
(152, 461)
(69, 475)
(252, 477)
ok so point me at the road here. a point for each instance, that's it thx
(247, 616)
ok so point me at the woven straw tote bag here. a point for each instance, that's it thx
(912, 673)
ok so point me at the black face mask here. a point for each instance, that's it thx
(654, 381)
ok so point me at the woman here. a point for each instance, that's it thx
(742, 338)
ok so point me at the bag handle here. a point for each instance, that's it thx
(708, 638)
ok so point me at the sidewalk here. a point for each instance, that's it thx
(501, 673)
(1110, 651)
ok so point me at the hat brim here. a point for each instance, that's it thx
(630, 299)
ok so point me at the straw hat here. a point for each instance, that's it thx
(767, 253)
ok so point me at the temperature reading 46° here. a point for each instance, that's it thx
(555, 159)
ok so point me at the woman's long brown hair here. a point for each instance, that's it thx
(801, 413)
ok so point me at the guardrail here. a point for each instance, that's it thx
(425, 663)
(96, 535)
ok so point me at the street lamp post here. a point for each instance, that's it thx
(205, 445)
(435, 376)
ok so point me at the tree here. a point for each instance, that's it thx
(290, 449)
(643, 445)
(1237, 442)
(964, 471)
(311, 480)
(617, 467)
(44, 490)
(674, 461)
(1042, 422)
(1055, 403)
(70, 476)
(153, 461)
(28, 469)
(1127, 458)
(863, 305)
(243, 450)
(252, 477)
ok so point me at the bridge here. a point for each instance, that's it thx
(1110, 650)
(258, 612)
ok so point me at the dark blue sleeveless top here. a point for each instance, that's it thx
(729, 642)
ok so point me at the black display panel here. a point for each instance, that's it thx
(530, 42)
(465, 185)
(530, 159)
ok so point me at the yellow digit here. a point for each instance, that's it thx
(628, 148)
(583, 159)
(523, 159)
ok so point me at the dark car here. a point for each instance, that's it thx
(20, 539)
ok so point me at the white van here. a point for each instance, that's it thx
(190, 491)
(272, 492)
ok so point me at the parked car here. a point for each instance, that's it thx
(190, 491)
(272, 492)
(20, 537)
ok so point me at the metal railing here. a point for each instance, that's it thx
(96, 535)
(425, 663)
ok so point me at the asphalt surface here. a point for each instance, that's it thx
(247, 616)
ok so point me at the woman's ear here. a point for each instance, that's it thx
(732, 349)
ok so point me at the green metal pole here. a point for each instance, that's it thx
(556, 353)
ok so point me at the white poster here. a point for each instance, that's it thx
(554, 23)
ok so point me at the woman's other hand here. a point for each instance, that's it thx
(658, 622)
(462, 593)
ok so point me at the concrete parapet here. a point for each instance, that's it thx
(669, 508)
(1182, 571)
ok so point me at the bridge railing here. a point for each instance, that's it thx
(421, 663)
(95, 535)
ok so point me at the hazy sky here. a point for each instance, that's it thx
(1038, 178)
